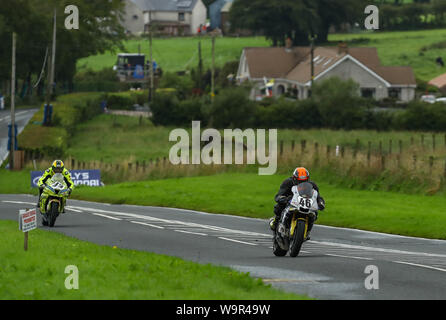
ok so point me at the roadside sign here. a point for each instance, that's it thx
(27, 220)
(91, 178)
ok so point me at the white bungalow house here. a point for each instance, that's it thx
(289, 69)
(168, 17)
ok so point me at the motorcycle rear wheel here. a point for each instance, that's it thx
(277, 250)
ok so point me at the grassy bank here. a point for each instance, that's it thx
(112, 273)
(252, 195)
(141, 140)
(169, 58)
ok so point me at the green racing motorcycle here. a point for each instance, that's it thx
(53, 199)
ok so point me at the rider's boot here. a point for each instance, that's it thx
(273, 223)
(310, 226)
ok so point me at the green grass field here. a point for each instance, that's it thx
(404, 48)
(176, 54)
(110, 273)
(418, 49)
(116, 139)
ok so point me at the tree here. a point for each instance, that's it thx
(32, 20)
(296, 19)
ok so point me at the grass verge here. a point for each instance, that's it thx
(112, 273)
(251, 195)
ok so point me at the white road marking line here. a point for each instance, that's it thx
(147, 224)
(349, 246)
(105, 216)
(380, 233)
(177, 222)
(75, 210)
(420, 265)
(19, 202)
(227, 231)
(350, 257)
(251, 244)
(197, 233)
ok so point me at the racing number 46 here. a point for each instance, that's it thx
(305, 202)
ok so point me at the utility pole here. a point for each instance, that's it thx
(213, 69)
(312, 38)
(51, 71)
(200, 64)
(151, 67)
(11, 152)
(53, 53)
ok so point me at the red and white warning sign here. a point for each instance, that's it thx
(27, 220)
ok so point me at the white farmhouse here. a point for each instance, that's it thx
(288, 70)
(167, 17)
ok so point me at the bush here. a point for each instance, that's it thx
(339, 103)
(232, 108)
(104, 80)
(422, 116)
(182, 84)
(163, 109)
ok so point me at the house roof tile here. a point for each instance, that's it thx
(295, 64)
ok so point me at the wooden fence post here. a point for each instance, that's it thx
(433, 142)
(281, 147)
(390, 146)
(401, 146)
(302, 145)
(369, 150)
(292, 145)
(431, 164)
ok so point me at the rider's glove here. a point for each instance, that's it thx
(69, 191)
(282, 200)
(321, 203)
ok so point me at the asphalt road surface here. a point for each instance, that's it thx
(332, 265)
(21, 119)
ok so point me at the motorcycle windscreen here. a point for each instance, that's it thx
(305, 190)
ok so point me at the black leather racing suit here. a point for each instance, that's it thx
(285, 194)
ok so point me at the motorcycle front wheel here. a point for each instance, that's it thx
(298, 237)
(54, 212)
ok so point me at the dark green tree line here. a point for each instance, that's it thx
(32, 20)
(296, 19)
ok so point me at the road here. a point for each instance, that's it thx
(21, 118)
(331, 265)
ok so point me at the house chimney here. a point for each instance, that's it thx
(342, 48)
(288, 45)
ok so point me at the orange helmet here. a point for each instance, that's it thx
(301, 174)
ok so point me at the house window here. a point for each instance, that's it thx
(368, 92)
(181, 16)
(280, 90)
(135, 17)
(395, 93)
